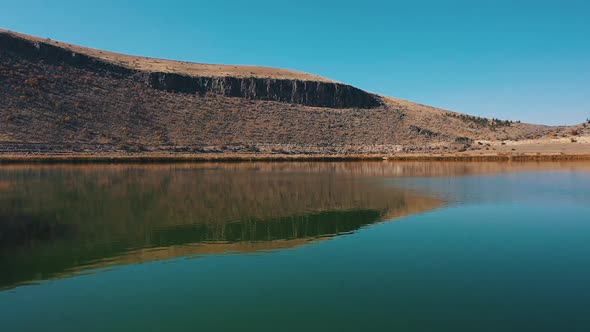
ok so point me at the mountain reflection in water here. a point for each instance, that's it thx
(59, 220)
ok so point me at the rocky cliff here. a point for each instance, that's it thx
(309, 93)
(302, 92)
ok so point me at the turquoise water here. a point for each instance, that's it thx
(296, 247)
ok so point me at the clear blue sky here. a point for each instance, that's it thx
(519, 60)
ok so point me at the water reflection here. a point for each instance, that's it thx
(59, 220)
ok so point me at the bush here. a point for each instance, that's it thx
(484, 122)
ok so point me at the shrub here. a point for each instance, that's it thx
(34, 82)
(484, 122)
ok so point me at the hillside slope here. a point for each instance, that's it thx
(59, 98)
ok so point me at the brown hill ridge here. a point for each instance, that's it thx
(167, 66)
(59, 98)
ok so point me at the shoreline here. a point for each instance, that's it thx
(229, 158)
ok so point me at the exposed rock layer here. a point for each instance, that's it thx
(308, 93)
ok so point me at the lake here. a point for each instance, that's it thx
(360, 246)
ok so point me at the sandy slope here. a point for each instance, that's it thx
(580, 145)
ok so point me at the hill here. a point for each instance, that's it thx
(59, 98)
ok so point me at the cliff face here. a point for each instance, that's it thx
(11, 45)
(302, 92)
(308, 93)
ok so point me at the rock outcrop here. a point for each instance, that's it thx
(302, 92)
(40, 51)
(308, 93)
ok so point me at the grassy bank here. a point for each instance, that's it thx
(150, 158)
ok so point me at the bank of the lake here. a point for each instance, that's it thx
(196, 158)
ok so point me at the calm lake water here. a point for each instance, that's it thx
(375, 246)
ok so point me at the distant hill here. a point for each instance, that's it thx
(57, 98)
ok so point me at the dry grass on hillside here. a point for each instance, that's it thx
(53, 108)
(181, 67)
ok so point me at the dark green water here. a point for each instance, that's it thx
(296, 247)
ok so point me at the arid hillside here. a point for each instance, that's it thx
(57, 98)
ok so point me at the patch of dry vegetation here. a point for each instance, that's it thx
(181, 67)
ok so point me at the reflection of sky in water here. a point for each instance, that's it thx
(543, 187)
